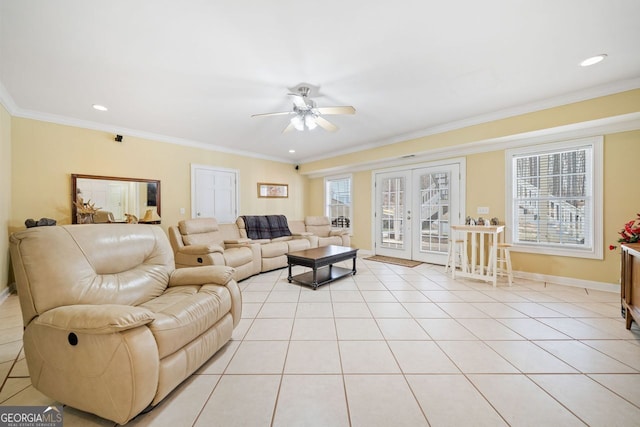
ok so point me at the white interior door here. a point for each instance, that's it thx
(414, 209)
(214, 193)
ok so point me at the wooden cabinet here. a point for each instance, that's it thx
(630, 282)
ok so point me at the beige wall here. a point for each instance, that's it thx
(485, 179)
(46, 154)
(5, 195)
(607, 106)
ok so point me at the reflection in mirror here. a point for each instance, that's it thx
(99, 199)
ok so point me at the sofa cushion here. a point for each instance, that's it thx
(182, 313)
(237, 257)
(270, 250)
(266, 226)
(318, 225)
(298, 245)
(331, 240)
(198, 225)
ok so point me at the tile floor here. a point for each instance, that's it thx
(395, 346)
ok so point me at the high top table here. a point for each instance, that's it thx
(479, 239)
(321, 261)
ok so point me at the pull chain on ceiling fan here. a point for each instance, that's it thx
(307, 115)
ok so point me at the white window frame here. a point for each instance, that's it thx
(326, 196)
(595, 251)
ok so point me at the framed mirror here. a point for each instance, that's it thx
(99, 199)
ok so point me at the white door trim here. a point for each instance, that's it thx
(195, 166)
(461, 161)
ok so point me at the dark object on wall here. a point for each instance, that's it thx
(39, 223)
(118, 138)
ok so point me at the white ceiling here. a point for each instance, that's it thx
(194, 72)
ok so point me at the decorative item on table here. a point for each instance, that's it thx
(131, 219)
(151, 216)
(480, 221)
(495, 221)
(630, 233)
(85, 210)
(29, 223)
(470, 221)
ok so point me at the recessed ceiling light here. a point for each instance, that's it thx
(292, 151)
(593, 60)
(99, 107)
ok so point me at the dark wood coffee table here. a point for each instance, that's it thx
(321, 261)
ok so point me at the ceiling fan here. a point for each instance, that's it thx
(307, 115)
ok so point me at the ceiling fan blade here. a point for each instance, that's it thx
(347, 109)
(326, 124)
(272, 114)
(288, 128)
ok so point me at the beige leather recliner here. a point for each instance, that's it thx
(321, 227)
(111, 327)
(203, 241)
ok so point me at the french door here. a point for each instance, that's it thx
(414, 209)
(214, 193)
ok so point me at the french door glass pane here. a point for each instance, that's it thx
(434, 211)
(393, 207)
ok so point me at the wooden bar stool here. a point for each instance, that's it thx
(453, 263)
(503, 258)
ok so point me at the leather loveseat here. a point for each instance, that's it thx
(111, 327)
(275, 238)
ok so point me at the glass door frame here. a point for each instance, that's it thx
(413, 226)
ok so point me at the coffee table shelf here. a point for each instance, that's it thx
(321, 261)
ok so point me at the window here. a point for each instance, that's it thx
(338, 201)
(554, 198)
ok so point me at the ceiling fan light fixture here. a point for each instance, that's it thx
(297, 122)
(310, 121)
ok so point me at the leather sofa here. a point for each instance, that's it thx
(111, 327)
(273, 245)
(321, 226)
(202, 241)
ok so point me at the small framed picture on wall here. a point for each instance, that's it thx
(273, 190)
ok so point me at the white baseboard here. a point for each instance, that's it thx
(558, 280)
(4, 294)
(364, 253)
(569, 281)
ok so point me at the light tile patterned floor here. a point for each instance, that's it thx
(395, 346)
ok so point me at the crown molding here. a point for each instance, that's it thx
(608, 125)
(85, 124)
(594, 92)
(7, 100)
(557, 101)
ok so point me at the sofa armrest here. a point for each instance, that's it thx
(241, 241)
(201, 249)
(260, 241)
(303, 234)
(205, 275)
(96, 319)
(340, 232)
